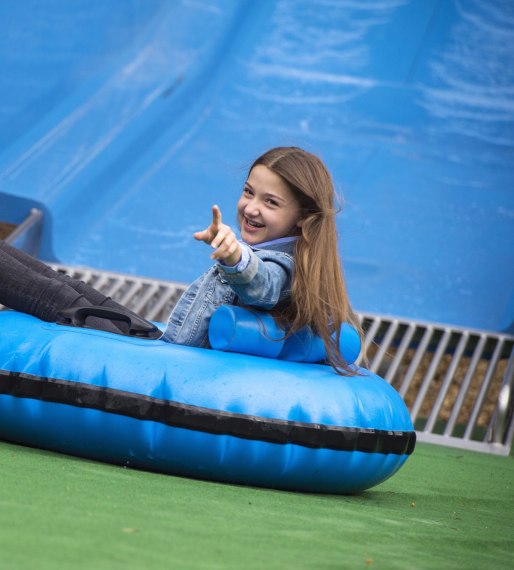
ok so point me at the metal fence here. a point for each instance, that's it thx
(457, 383)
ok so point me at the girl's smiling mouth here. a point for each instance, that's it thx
(252, 224)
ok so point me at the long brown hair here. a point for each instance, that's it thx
(319, 297)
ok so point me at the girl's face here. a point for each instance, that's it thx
(267, 208)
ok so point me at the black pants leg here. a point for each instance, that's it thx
(30, 286)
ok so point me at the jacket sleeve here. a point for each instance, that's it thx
(264, 282)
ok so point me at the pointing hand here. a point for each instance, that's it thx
(221, 238)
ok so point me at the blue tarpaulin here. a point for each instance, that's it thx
(126, 121)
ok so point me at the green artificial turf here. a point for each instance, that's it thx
(445, 508)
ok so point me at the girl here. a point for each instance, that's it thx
(286, 263)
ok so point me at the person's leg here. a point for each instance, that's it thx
(24, 290)
(91, 294)
(30, 286)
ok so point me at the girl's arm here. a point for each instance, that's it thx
(264, 282)
(265, 278)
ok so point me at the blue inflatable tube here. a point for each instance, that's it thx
(196, 412)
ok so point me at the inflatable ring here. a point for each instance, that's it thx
(196, 412)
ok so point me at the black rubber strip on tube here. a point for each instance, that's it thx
(203, 419)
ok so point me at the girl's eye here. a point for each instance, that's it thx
(247, 190)
(272, 202)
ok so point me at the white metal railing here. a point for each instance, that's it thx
(456, 382)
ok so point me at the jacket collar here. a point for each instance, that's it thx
(285, 245)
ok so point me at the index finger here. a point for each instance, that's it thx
(216, 216)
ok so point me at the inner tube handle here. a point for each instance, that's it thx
(76, 317)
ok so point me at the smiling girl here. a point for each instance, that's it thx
(286, 262)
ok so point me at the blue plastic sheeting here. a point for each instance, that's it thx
(127, 121)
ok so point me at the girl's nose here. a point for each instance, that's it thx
(252, 208)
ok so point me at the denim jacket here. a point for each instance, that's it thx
(264, 283)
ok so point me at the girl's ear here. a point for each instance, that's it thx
(299, 223)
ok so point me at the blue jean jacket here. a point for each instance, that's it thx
(264, 283)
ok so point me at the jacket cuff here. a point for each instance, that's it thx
(241, 265)
(245, 270)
